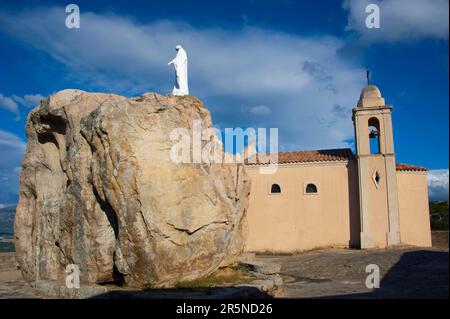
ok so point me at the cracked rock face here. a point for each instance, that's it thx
(98, 189)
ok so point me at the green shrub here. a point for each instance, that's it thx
(439, 215)
(149, 286)
(223, 277)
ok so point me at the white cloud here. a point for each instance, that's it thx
(29, 100)
(300, 77)
(8, 139)
(438, 184)
(14, 147)
(259, 110)
(9, 104)
(400, 20)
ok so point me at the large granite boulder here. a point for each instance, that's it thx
(98, 189)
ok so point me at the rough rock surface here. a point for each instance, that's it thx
(98, 189)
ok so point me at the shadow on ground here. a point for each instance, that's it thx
(187, 293)
(419, 274)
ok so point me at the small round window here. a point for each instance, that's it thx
(275, 189)
(311, 189)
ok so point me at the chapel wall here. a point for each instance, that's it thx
(413, 208)
(294, 220)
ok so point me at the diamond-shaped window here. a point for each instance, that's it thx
(376, 177)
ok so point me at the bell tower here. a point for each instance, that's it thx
(378, 199)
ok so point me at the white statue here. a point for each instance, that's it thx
(181, 73)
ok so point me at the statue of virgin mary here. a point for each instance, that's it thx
(181, 72)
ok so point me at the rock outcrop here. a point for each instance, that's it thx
(98, 189)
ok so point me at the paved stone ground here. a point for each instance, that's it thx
(340, 273)
(13, 286)
(332, 273)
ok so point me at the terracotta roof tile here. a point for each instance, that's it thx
(332, 155)
(407, 167)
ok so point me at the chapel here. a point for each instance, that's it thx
(338, 198)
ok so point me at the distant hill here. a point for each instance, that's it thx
(7, 220)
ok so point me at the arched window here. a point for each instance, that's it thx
(275, 189)
(374, 135)
(311, 188)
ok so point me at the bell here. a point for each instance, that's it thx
(373, 134)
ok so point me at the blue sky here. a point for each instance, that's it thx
(295, 65)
